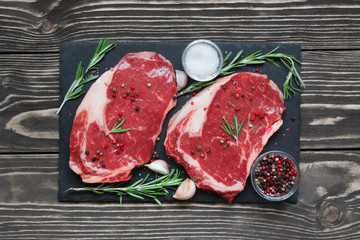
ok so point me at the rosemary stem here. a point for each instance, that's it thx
(62, 104)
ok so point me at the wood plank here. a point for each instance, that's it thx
(328, 207)
(33, 26)
(330, 106)
(29, 97)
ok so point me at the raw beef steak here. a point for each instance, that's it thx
(196, 140)
(139, 89)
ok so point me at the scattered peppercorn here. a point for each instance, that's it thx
(198, 148)
(127, 93)
(252, 88)
(202, 155)
(149, 84)
(293, 118)
(114, 89)
(98, 166)
(86, 152)
(192, 152)
(122, 85)
(251, 99)
(137, 109)
(208, 150)
(242, 95)
(93, 159)
(103, 165)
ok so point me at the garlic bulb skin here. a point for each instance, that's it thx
(186, 190)
(181, 79)
(159, 166)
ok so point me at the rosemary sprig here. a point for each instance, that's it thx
(195, 86)
(117, 127)
(229, 130)
(259, 58)
(157, 187)
(76, 87)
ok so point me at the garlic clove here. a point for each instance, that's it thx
(181, 79)
(159, 166)
(186, 190)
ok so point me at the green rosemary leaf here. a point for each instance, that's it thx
(157, 201)
(135, 195)
(75, 88)
(90, 78)
(97, 192)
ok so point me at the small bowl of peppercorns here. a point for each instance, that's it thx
(275, 175)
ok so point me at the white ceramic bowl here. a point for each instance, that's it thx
(215, 51)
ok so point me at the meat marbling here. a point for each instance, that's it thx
(211, 157)
(140, 88)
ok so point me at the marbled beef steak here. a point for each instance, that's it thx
(140, 88)
(210, 156)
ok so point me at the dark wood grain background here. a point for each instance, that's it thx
(329, 200)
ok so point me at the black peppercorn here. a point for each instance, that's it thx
(87, 152)
(137, 109)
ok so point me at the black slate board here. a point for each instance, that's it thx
(286, 139)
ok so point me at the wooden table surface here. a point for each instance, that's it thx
(329, 200)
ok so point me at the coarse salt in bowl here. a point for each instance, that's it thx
(202, 60)
(281, 181)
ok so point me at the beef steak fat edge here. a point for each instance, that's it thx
(140, 88)
(211, 157)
